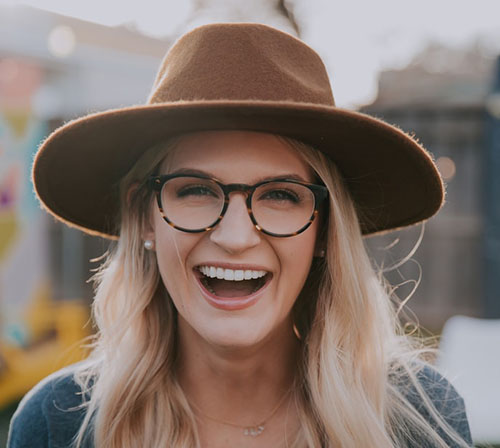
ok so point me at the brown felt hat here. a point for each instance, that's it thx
(237, 76)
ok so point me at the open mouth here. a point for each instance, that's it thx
(229, 283)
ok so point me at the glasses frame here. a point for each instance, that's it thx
(320, 193)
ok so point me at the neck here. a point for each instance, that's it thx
(237, 383)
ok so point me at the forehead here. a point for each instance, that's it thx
(237, 156)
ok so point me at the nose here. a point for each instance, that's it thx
(236, 233)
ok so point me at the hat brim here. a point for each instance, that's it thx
(391, 177)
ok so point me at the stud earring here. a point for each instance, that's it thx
(149, 244)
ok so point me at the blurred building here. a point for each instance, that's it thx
(52, 69)
(441, 98)
(80, 67)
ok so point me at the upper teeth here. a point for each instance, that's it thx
(231, 274)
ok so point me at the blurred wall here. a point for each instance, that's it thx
(441, 100)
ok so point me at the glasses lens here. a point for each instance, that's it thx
(282, 207)
(192, 203)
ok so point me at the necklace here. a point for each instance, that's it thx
(251, 430)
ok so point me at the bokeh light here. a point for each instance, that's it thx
(61, 41)
(446, 167)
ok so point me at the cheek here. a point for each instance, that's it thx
(172, 251)
(168, 265)
(296, 261)
(303, 247)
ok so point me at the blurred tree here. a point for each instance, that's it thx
(278, 13)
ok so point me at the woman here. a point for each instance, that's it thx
(239, 307)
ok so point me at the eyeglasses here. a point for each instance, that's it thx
(278, 207)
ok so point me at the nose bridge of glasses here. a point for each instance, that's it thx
(237, 188)
(243, 188)
(236, 209)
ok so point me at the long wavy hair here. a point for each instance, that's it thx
(357, 365)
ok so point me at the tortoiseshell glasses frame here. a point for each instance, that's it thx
(156, 184)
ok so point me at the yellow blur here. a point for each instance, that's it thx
(58, 330)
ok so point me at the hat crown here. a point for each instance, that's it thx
(241, 61)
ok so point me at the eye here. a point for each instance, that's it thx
(280, 195)
(196, 191)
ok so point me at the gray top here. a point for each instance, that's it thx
(48, 416)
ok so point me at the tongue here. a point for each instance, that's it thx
(225, 288)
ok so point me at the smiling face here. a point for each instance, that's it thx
(261, 275)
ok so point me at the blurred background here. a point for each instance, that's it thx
(430, 67)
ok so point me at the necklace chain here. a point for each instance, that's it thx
(248, 430)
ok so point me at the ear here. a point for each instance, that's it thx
(321, 237)
(149, 229)
(149, 240)
(149, 233)
(319, 251)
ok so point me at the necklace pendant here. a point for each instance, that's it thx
(254, 431)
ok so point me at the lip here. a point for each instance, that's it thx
(231, 303)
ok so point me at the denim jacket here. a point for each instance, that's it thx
(49, 417)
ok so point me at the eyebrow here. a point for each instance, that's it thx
(292, 176)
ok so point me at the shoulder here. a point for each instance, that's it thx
(440, 390)
(444, 398)
(50, 414)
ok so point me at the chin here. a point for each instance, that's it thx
(234, 335)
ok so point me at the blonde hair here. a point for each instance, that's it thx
(357, 363)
